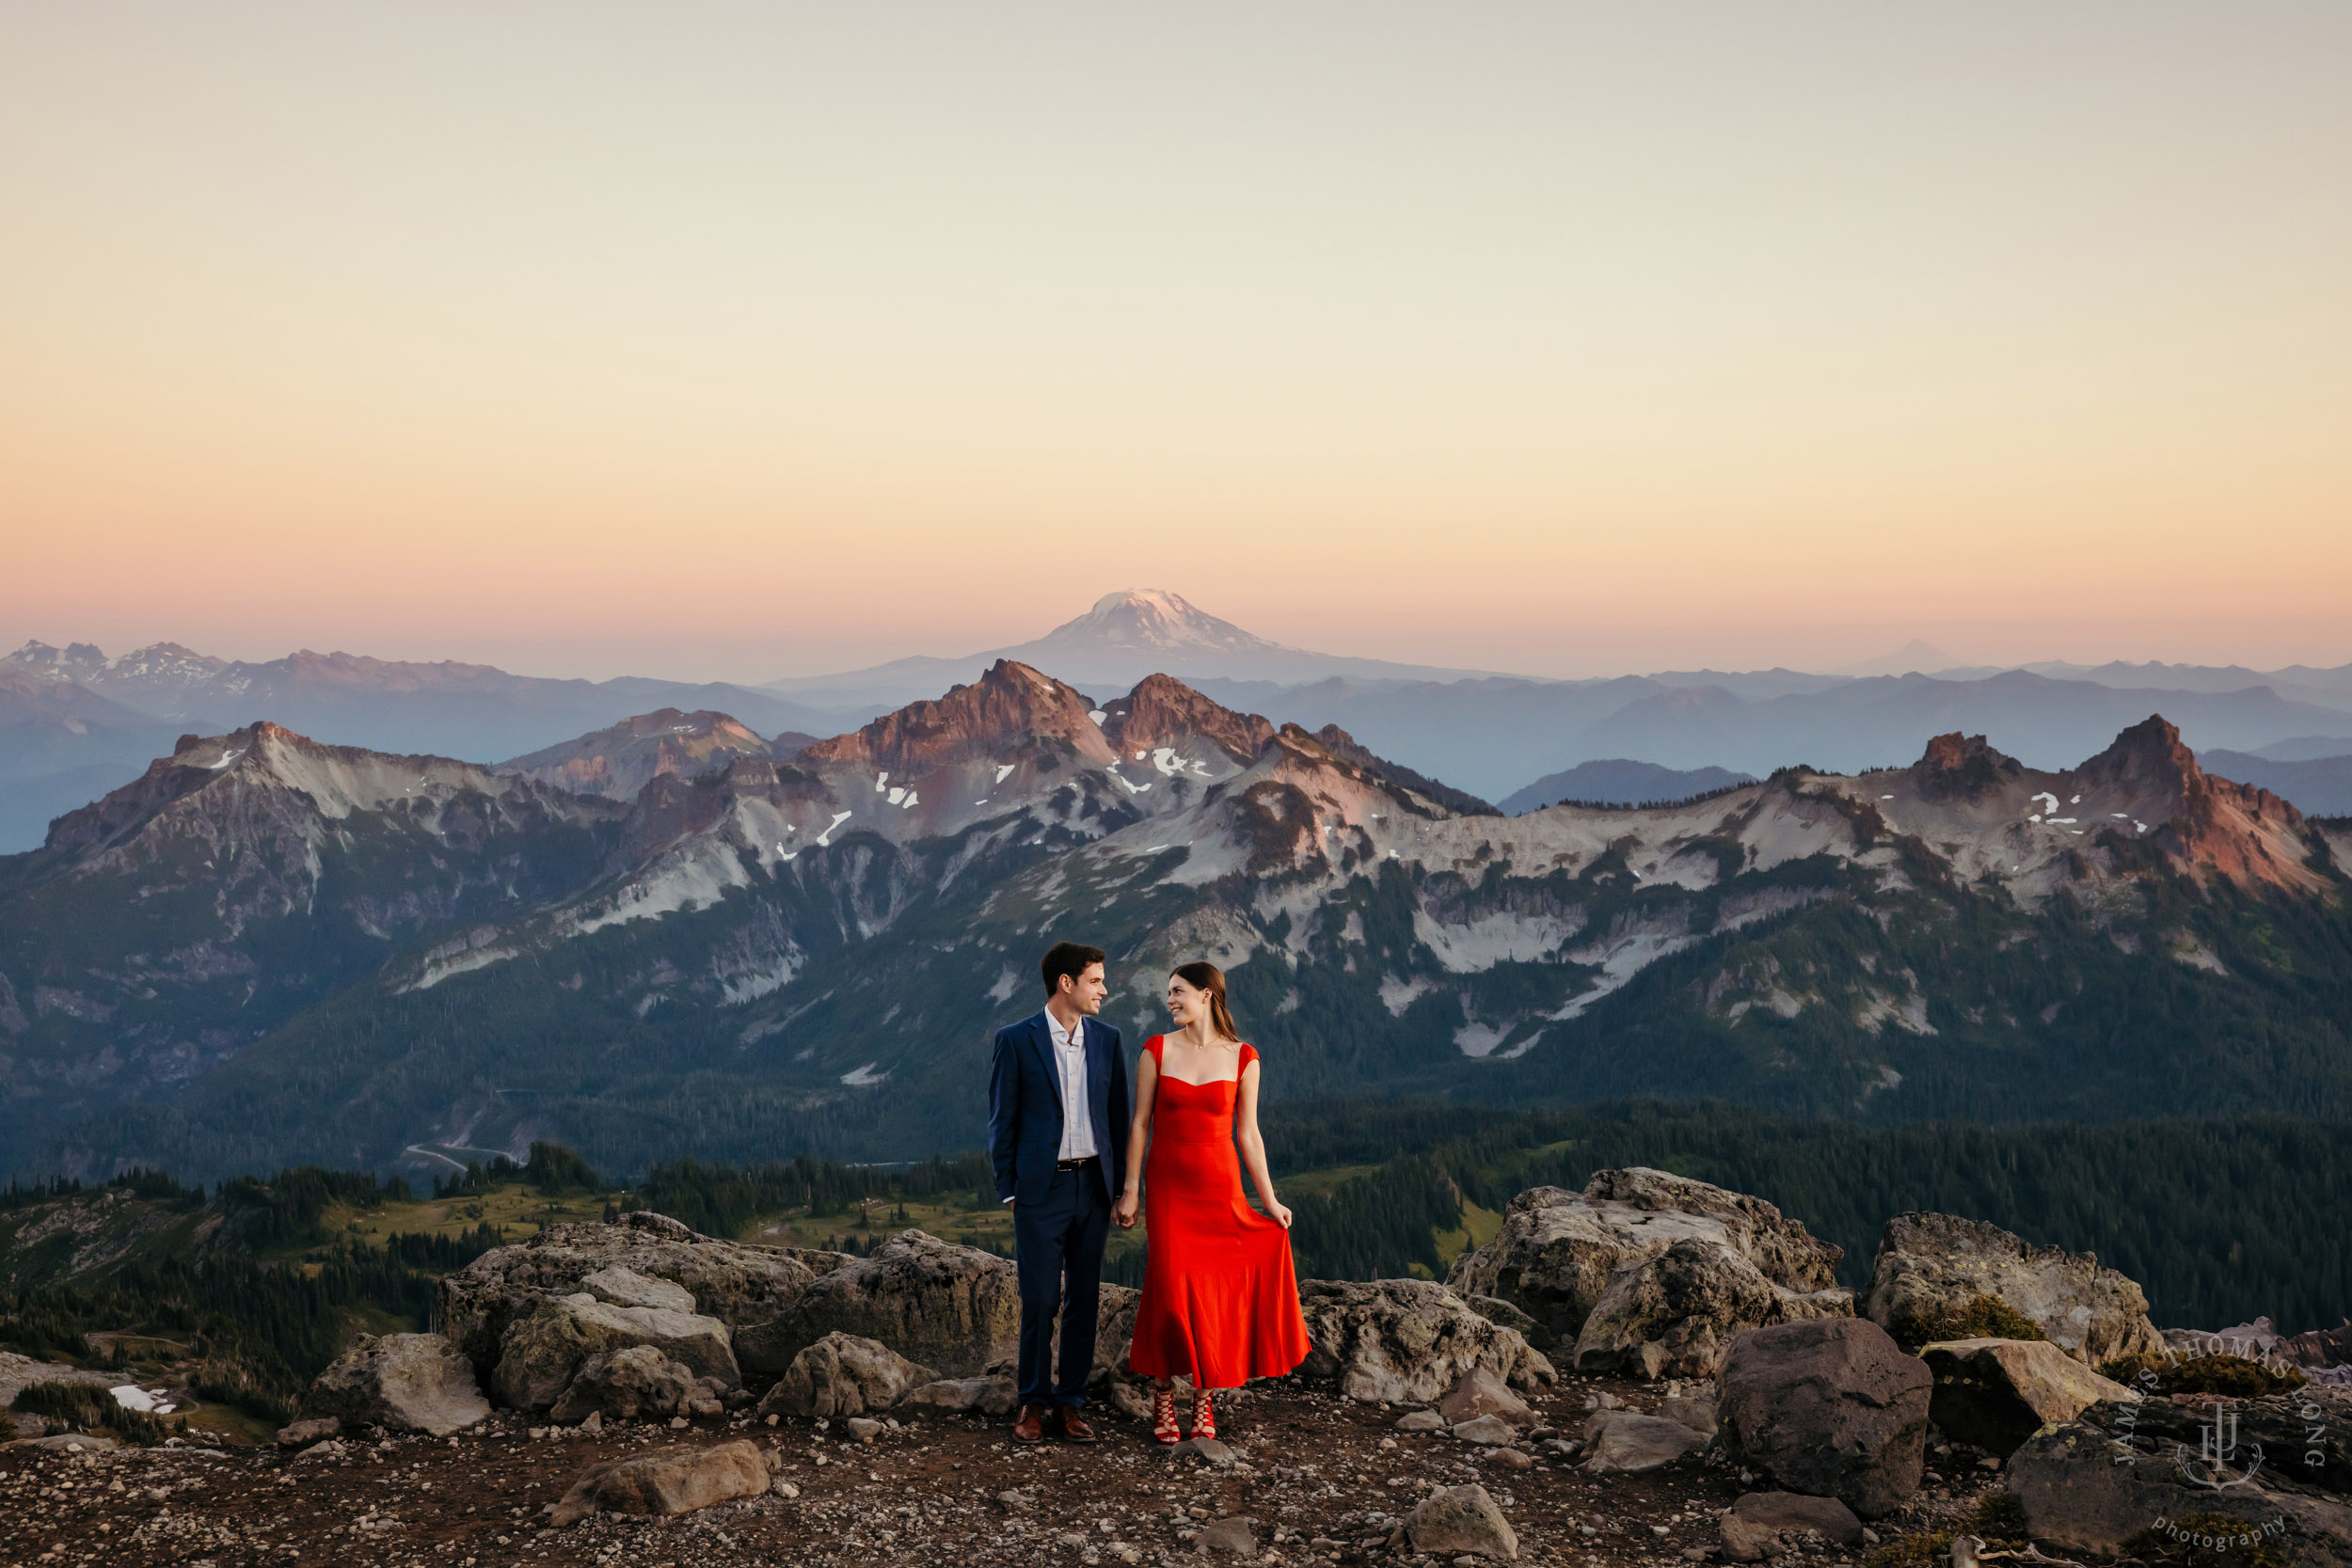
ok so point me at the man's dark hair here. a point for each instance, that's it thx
(1068, 957)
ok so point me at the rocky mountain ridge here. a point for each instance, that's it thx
(621, 760)
(736, 927)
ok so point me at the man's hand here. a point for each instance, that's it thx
(1124, 1210)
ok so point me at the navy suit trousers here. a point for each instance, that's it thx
(1058, 1245)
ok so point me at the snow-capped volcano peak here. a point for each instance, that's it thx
(1141, 619)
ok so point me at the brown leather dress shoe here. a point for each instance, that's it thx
(1074, 1428)
(1030, 1426)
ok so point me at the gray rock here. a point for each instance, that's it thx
(844, 1374)
(1696, 1414)
(637, 1383)
(1994, 1394)
(1673, 1314)
(1235, 1535)
(400, 1381)
(1512, 1459)
(1557, 1250)
(301, 1435)
(1622, 1442)
(547, 1346)
(1478, 1392)
(956, 1308)
(1753, 1528)
(2084, 1490)
(671, 1482)
(1931, 1267)
(1461, 1519)
(1831, 1407)
(623, 1286)
(1407, 1340)
(1491, 1431)
(985, 1395)
(864, 1428)
(740, 1286)
(1421, 1421)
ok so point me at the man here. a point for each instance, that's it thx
(1057, 1115)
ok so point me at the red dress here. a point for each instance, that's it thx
(1220, 1296)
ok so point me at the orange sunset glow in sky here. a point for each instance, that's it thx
(746, 340)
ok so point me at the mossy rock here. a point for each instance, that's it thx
(1984, 1317)
(2234, 1375)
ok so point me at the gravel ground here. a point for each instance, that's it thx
(1322, 1479)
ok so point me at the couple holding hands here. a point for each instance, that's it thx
(1074, 1154)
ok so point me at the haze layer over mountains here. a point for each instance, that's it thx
(74, 723)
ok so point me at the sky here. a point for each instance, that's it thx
(747, 341)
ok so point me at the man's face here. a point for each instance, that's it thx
(1084, 995)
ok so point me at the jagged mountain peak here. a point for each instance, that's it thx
(328, 782)
(619, 760)
(1164, 712)
(2038, 831)
(1010, 704)
(1962, 767)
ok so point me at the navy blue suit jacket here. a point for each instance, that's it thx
(1025, 1108)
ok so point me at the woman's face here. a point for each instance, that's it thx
(1186, 1002)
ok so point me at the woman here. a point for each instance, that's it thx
(1220, 1297)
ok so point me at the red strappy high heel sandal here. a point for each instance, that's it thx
(1163, 1416)
(1203, 1415)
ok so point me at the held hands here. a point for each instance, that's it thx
(1125, 1209)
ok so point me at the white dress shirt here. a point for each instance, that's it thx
(1069, 1057)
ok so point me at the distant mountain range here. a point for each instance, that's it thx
(266, 948)
(74, 723)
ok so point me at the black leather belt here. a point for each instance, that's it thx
(1075, 1165)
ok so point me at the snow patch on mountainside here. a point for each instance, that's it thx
(1492, 939)
(695, 877)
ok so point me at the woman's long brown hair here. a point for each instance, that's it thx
(1208, 977)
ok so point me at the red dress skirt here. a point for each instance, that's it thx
(1220, 1295)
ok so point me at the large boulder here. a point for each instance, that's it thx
(401, 1382)
(1832, 1407)
(635, 1384)
(1673, 1314)
(739, 1285)
(953, 1307)
(673, 1480)
(2129, 1478)
(1464, 1520)
(1931, 1269)
(1557, 1250)
(1407, 1340)
(1994, 1394)
(542, 1350)
(842, 1374)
